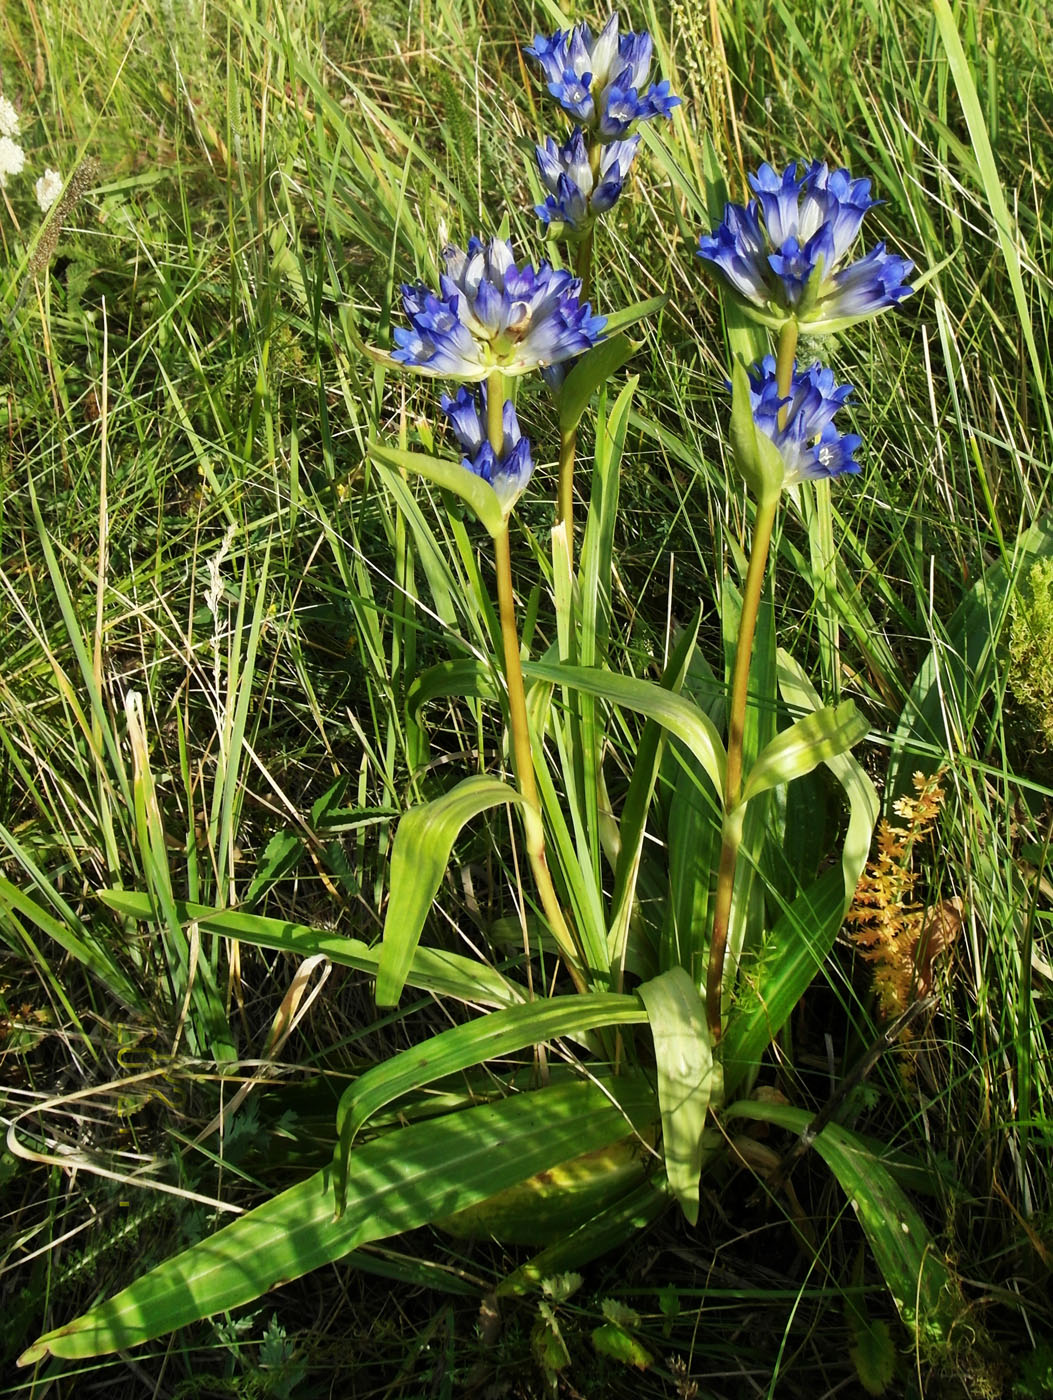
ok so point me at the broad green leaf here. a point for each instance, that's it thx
(404, 1179)
(590, 372)
(797, 689)
(419, 857)
(461, 1047)
(809, 741)
(914, 1270)
(674, 713)
(687, 1078)
(611, 1340)
(772, 983)
(464, 676)
(431, 969)
(451, 476)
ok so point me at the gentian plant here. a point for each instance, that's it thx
(673, 1030)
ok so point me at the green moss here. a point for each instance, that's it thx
(1031, 654)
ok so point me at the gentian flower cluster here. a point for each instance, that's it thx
(600, 82)
(509, 470)
(576, 195)
(810, 445)
(784, 253)
(491, 315)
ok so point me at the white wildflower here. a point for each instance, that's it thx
(12, 159)
(9, 120)
(48, 188)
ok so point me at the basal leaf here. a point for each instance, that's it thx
(431, 969)
(461, 1047)
(687, 1077)
(914, 1270)
(402, 1180)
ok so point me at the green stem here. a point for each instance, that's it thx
(763, 524)
(517, 711)
(568, 441)
(568, 447)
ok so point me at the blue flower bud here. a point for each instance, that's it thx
(509, 470)
(600, 81)
(576, 197)
(810, 445)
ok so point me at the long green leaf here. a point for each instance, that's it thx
(431, 969)
(590, 372)
(863, 806)
(72, 937)
(773, 983)
(674, 713)
(687, 1078)
(914, 1270)
(416, 1174)
(419, 857)
(809, 741)
(461, 1047)
(1009, 238)
(451, 476)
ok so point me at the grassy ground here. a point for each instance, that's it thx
(187, 513)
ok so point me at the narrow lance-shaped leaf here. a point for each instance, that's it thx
(674, 713)
(419, 857)
(590, 372)
(809, 741)
(431, 969)
(797, 689)
(461, 1047)
(773, 983)
(451, 476)
(687, 1078)
(914, 1270)
(407, 1178)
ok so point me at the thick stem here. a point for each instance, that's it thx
(568, 446)
(517, 712)
(732, 827)
(732, 823)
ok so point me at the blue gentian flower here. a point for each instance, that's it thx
(508, 471)
(576, 196)
(783, 253)
(810, 445)
(600, 81)
(491, 315)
